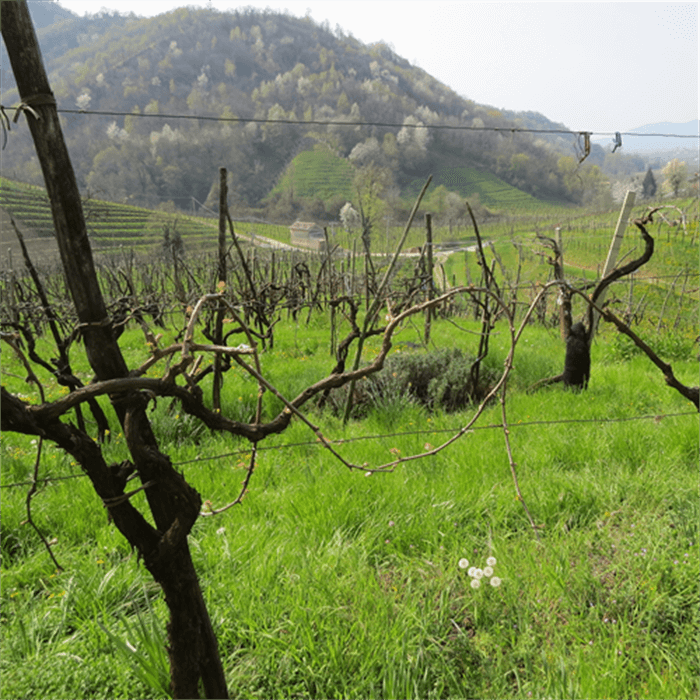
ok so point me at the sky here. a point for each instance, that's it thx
(592, 66)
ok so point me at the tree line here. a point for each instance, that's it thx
(263, 65)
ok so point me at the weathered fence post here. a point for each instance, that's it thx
(615, 244)
(429, 273)
(221, 279)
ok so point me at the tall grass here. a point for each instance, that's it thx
(331, 583)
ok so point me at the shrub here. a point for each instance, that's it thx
(440, 379)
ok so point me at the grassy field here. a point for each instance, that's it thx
(327, 583)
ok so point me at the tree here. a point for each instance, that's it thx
(649, 185)
(370, 183)
(367, 152)
(676, 174)
(437, 201)
(456, 208)
(585, 183)
(349, 216)
(413, 139)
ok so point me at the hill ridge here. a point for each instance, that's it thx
(264, 65)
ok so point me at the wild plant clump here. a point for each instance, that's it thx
(441, 379)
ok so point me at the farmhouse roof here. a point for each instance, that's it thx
(305, 226)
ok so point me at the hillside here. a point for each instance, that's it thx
(112, 227)
(363, 104)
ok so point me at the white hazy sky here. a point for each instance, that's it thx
(593, 66)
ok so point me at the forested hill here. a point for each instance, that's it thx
(267, 66)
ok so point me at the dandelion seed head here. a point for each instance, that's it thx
(463, 563)
(475, 583)
(488, 571)
(495, 582)
(491, 561)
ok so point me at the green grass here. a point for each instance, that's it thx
(331, 583)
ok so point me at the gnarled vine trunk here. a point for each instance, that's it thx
(192, 646)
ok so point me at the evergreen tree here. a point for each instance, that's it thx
(649, 185)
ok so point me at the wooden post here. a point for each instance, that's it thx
(330, 295)
(560, 244)
(221, 286)
(615, 244)
(352, 269)
(429, 272)
(564, 297)
(223, 207)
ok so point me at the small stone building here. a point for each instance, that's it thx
(307, 234)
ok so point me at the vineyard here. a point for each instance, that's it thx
(429, 459)
(121, 230)
(491, 190)
(329, 581)
(112, 227)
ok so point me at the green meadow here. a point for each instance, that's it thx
(334, 583)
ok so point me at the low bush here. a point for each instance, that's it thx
(437, 380)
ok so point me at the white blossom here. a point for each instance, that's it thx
(83, 101)
(116, 133)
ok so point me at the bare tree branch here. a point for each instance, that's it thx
(627, 269)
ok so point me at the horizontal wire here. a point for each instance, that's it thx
(319, 122)
(364, 438)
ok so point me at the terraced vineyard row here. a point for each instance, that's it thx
(111, 226)
(493, 192)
